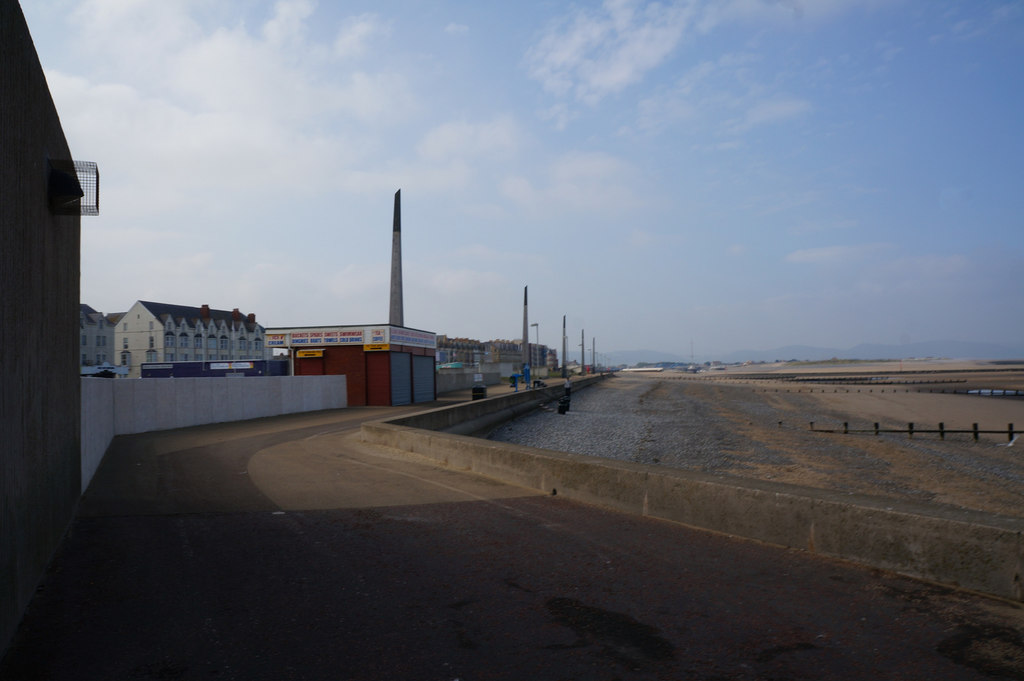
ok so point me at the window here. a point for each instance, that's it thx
(168, 356)
(124, 343)
(85, 358)
(151, 343)
(243, 344)
(126, 359)
(151, 326)
(183, 341)
(184, 357)
(257, 344)
(150, 355)
(199, 341)
(211, 343)
(100, 358)
(85, 339)
(101, 341)
(199, 357)
(169, 340)
(223, 343)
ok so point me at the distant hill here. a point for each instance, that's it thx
(947, 349)
(632, 357)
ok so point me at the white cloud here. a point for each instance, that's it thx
(354, 38)
(456, 29)
(287, 26)
(715, 13)
(577, 184)
(770, 111)
(598, 52)
(834, 254)
(500, 137)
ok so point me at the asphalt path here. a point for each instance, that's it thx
(285, 548)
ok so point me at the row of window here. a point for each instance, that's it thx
(100, 340)
(223, 343)
(100, 358)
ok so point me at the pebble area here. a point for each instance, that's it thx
(625, 420)
(736, 432)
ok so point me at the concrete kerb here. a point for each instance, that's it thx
(967, 549)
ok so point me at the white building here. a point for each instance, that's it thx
(96, 342)
(161, 332)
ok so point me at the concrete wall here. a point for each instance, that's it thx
(120, 407)
(449, 380)
(39, 410)
(973, 550)
(476, 417)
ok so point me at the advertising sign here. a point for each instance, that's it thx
(420, 339)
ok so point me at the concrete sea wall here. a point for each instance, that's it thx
(123, 406)
(971, 550)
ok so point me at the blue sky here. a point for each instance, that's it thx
(739, 174)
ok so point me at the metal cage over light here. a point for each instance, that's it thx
(74, 188)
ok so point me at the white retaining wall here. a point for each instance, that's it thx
(123, 406)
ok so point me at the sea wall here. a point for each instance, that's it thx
(972, 550)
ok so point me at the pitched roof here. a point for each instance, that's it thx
(193, 314)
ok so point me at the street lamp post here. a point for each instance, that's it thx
(536, 325)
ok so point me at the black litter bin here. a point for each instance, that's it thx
(563, 405)
(479, 392)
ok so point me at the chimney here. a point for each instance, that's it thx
(236, 316)
(204, 312)
(252, 317)
(396, 316)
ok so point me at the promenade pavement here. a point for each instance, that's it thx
(285, 548)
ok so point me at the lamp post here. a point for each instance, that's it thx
(565, 350)
(536, 325)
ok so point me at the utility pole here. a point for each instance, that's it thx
(583, 352)
(593, 353)
(565, 339)
(526, 333)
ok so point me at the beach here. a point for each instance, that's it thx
(756, 423)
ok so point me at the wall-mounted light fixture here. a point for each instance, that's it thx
(74, 188)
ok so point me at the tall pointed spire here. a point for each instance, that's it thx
(397, 315)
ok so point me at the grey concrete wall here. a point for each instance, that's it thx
(450, 380)
(123, 406)
(39, 400)
(972, 550)
(474, 417)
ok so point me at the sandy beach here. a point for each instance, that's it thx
(755, 423)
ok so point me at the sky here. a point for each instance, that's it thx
(697, 176)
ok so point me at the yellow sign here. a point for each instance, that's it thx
(309, 353)
(377, 346)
